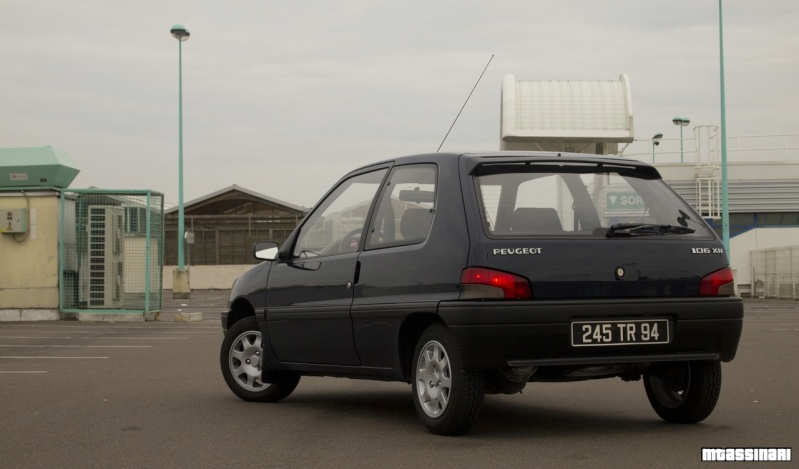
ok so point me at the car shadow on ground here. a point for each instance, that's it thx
(500, 417)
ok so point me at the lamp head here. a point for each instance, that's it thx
(683, 121)
(180, 33)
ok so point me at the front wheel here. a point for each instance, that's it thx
(447, 397)
(242, 359)
(684, 392)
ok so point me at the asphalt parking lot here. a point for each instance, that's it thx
(150, 395)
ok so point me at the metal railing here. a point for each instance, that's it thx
(776, 147)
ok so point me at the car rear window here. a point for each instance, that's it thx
(533, 199)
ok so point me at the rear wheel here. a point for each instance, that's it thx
(684, 392)
(447, 397)
(242, 360)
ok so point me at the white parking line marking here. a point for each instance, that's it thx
(770, 325)
(78, 346)
(106, 326)
(15, 357)
(89, 338)
(162, 330)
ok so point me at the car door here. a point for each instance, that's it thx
(413, 257)
(309, 295)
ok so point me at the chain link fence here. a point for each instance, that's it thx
(111, 247)
(222, 240)
(775, 272)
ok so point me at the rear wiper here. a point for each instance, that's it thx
(628, 230)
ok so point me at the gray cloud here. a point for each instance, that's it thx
(286, 97)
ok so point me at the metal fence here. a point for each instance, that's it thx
(775, 272)
(111, 248)
(226, 239)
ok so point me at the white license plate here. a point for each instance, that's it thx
(631, 332)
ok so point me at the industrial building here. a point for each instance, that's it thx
(596, 116)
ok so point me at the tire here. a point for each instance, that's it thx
(684, 392)
(447, 397)
(242, 359)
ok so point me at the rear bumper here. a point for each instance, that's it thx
(496, 334)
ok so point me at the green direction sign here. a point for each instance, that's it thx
(623, 201)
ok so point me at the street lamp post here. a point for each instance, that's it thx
(682, 122)
(655, 142)
(725, 202)
(180, 287)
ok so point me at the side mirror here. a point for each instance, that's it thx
(265, 250)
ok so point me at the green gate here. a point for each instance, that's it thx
(111, 251)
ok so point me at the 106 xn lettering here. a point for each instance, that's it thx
(707, 251)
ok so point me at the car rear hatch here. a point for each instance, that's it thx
(581, 227)
(605, 268)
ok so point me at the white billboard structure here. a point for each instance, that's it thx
(576, 116)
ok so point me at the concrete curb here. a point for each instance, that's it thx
(121, 317)
(188, 317)
(17, 315)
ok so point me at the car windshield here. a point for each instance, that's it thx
(590, 200)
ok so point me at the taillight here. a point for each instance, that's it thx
(718, 283)
(479, 282)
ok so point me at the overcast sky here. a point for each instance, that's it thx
(285, 97)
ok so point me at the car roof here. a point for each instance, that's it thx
(567, 156)
(509, 156)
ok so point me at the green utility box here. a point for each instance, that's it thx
(35, 168)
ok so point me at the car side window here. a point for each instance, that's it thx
(336, 225)
(406, 207)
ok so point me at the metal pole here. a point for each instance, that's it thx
(147, 256)
(725, 203)
(180, 157)
(61, 256)
(681, 143)
(180, 279)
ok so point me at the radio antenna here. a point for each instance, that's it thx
(464, 103)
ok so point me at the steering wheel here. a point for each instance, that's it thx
(345, 245)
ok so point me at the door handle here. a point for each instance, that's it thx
(349, 285)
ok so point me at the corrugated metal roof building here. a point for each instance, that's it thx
(226, 223)
(582, 116)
